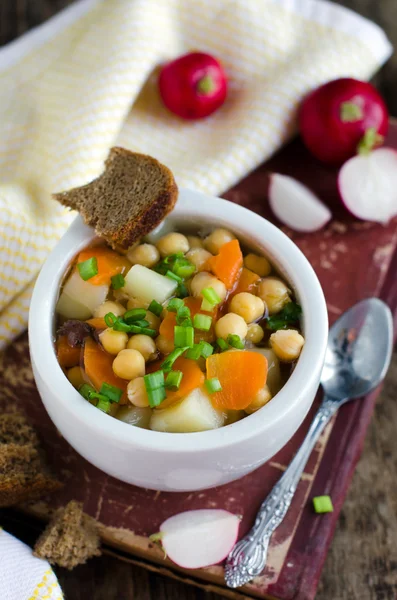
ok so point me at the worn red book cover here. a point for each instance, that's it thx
(353, 260)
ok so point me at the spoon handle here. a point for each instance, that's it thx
(248, 557)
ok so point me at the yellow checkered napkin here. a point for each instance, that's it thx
(22, 575)
(84, 81)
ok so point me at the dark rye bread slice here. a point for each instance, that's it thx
(70, 538)
(126, 202)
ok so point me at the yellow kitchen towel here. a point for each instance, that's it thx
(85, 80)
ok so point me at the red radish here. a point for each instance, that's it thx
(193, 86)
(368, 185)
(198, 538)
(295, 205)
(334, 118)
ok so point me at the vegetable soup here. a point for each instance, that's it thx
(187, 335)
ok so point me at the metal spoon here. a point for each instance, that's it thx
(357, 358)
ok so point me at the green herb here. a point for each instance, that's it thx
(222, 345)
(213, 385)
(183, 336)
(137, 326)
(194, 353)
(202, 322)
(110, 319)
(88, 268)
(174, 304)
(211, 298)
(143, 330)
(103, 404)
(182, 291)
(183, 314)
(177, 264)
(118, 281)
(323, 504)
(85, 390)
(171, 358)
(172, 275)
(155, 389)
(142, 323)
(183, 268)
(289, 315)
(121, 325)
(111, 392)
(155, 308)
(206, 349)
(235, 341)
(135, 314)
(173, 380)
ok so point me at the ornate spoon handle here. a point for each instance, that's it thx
(248, 557)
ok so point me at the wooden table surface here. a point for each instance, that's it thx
(362, 561)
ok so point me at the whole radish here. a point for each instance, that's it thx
(193, 86)
(339, 115)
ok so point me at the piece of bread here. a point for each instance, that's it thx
(24, 475)
(70, 538)
(126, 202)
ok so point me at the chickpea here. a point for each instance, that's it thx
(287, 344)
(231, 324)
(217, 239)
(248, 306)
(106, 307)
(203, 280)
(274, 294)
(146, 255)
(76, 377)
(255, 333)
(164, 345)
(113, 341)
(198, 256)
(173, 243)
(129, 364)
(136, 392)
(136, 303)
(153, 320)
(195, 241)
(120, 296)
(261, 398)
(145, 345)
(258, 264)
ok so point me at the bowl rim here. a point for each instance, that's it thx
(245, 224)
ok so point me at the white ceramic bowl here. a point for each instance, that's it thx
(190, 461)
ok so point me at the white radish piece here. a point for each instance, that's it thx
(368, 185)
(198, 538)
(295, 205)
(80, 298)
(147, 285)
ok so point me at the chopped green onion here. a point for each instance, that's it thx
(174, 304)
(156, 397)
(194, 353)
(103, 404)
(182, 291)
(110, 319)
(182, 313)
(172, 275)
(85, 390)
(171, 258)
(211, 296)
(207, 306)
(206, 349)
(150, 332)
(202, 322)
(118, 281)
(121, 325)
(183, 336)
(171, 358)
(222, 344)
(155, 308)
(235, 341)
(110, 391)
(173, 380)
(135, 314)
(323, 504)
(153, 381)
(142, 330)
(142, 323)
(88, 268)
(213, 385)
(183, 268)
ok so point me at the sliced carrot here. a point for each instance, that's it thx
(193, 377)
(194, 304)
(109, 263)
(97, 323)
(98, 368)
(246, 282)
(242, 374)
(227, 264)
(68, 356)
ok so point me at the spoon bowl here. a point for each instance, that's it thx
(359, 350)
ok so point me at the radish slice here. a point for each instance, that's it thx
(295, 205)
(368, 185)
(198, 538)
